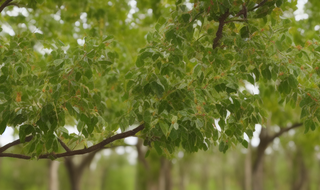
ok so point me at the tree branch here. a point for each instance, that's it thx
(223, 17)
(16, 142)
(220, 29)
(259, 5)
(73, 152)
(235, 20)
(5, 4)
(283, 130)
(66, 148)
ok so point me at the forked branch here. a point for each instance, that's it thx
(69, 152)
(223, 18)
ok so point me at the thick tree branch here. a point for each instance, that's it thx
(220, 29)
(16, 142)
(222, 21)
(5, 4)
(73, 152)
(265, 140)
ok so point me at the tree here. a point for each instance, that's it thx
(191, 73)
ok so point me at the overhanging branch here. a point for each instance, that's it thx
(5, 4)
(16, 142)
(284, 130)
(93, 148)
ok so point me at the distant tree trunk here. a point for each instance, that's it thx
(265, 140)
(154, 172)
(248, 169)
(53, 175)
(205, 177)
(300, 174)
(257, 172)
(182, 177)
(75, 171)
(165, 182)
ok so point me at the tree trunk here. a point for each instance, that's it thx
(182, 177)
(257, 172)
(53, 175)
(75, 171)
(301, 175)
(154, 172)
(165, 182)
(248, 169)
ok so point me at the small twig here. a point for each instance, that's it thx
(195, 17)
(259, 5)
(66, 148)
(235, 20)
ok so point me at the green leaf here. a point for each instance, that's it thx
(91, 54)
(266, 73)
(221, 146)
(222, 124)
(229, 132)
(80, 126)
(164, 128)
(157, 147)
(279, 3)
(244, 32)
(304, 112)
(61, 43)
(78, 76)
(309, 124)
(147, 116)
(24, 130)
(39, 36)
(186, 17)
(157, 89)
(215, 135)
(245, 143)
(19, 70)
(139, 62)
(108, 38)
(88, 73)
(124, 123)
(293, 82)
(306, 101)
(105, 62)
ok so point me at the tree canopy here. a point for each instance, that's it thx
(186, 86)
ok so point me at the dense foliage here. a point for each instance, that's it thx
(187, 88)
